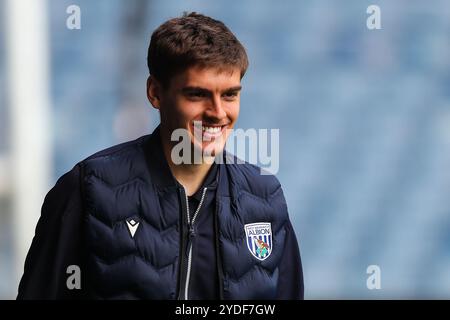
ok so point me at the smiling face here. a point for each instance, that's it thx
(209, 95)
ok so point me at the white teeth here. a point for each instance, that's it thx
(211, 129)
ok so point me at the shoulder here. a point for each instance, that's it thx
(62, 200)
(116, 150)
(69, 188)
(119, 160)
(65, 186)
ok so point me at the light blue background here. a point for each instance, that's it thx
(364, 119)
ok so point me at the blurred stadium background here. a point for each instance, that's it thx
(364, 119)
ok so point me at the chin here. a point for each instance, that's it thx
(210, 149)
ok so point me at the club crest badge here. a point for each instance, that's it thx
(259, 239)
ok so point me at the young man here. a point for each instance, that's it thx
(132, 222)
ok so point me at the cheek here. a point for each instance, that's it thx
(190, 111)
(233, 111)
(184, 110)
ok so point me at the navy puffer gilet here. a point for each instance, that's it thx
(127, 182)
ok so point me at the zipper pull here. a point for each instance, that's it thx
(191, 232)
(191, 235)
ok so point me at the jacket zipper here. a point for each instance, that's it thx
(191, 235)
(218, 256)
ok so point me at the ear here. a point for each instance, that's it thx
(154, 92)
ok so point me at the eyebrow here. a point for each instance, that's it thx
(200, 89)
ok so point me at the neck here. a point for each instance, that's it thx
(190, 176)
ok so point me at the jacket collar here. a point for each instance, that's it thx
(159, 169)
(160, 172)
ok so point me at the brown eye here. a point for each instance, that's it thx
(196, 95)
(230, 95)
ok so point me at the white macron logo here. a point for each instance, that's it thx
(132, 226)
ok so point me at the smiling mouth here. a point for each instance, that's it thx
(210, 131)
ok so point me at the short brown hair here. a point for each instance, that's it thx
(193, 39)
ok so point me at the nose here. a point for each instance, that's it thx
(215, 110)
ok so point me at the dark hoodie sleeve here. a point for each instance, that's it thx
(57, 243)
(290, 281)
